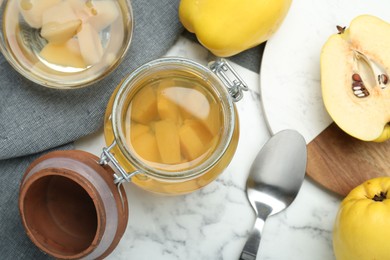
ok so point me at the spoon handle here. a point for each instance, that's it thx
(252, 244)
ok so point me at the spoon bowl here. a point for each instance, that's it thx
(274, 181)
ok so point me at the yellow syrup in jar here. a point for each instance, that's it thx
(173, 124)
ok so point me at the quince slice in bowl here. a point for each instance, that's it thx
(355, 78)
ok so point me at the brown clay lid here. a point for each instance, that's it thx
(66, 202)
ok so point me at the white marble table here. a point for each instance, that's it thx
(214, 222)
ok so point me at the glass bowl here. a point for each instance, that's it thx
(65, 44)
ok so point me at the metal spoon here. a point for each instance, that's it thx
(275, 178)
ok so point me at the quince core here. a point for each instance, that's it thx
(355, 71)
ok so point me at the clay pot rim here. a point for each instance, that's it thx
(79, 180)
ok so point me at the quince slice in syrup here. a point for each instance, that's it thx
(355, 78)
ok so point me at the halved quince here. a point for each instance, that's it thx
(355, 71)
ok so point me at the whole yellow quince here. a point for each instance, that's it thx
(362, 226)
(227, 27)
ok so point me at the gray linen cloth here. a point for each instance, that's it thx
(34, 119)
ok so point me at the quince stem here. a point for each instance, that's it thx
(380, 197)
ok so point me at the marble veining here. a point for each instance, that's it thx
(213, 223)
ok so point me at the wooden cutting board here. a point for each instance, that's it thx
(340, 162)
